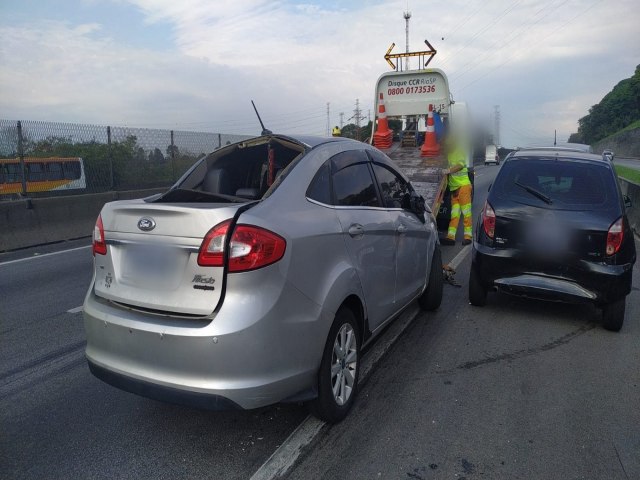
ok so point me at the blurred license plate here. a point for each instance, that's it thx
(151, 264)
(548, 239)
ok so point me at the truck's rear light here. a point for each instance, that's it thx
(99, 244)
(251, 247)
(489, 220)
(615, 235)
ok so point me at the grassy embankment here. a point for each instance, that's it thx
(628, 173)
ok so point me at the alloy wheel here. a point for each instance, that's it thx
(344, 363)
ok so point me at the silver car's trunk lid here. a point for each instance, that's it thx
(152, 256)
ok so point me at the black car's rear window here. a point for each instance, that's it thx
(561, 184)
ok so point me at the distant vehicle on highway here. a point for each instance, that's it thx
(608, 155)
(259, 276)
(41, 174)
(491, 155)
(554, 227)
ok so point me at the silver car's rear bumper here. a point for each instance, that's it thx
(259, 349)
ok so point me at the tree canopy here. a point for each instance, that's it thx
(618, 109)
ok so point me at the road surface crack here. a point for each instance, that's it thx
(565, 339)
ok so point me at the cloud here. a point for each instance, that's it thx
(544, 62)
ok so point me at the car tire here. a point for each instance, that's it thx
(477, 291)
(432, 297)
(613, 315)
(335, 370)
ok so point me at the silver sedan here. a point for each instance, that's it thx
(259, 276)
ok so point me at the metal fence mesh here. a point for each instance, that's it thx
(37, 158)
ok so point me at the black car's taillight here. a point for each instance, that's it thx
(489, 220)
(615, 235)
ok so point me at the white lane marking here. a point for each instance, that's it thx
(281, 461)
(285, 456)
(75, 310)
(457, 260)
(43, 255)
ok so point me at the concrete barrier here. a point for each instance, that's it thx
(632, 190)
(55, 219)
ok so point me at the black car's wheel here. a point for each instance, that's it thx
(613, 315)
(432, 296)
(339, 369)
(477, 291)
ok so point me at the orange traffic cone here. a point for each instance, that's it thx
(383, 138)
(430, 147)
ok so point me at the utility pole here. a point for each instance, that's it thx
(496, 125)
(328, 121)
(341, 120)
(407, 16)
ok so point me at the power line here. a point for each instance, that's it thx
(511, 57)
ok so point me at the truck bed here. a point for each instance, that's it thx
(425, 173)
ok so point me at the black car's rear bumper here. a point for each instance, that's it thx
(574, 282)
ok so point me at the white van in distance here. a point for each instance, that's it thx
(491, 155)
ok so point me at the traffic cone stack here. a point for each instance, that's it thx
(383, 138)
(430, 147)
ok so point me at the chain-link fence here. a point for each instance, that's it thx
(48, 159)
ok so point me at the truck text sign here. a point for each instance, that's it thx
(410, 93)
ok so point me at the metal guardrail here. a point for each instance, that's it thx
(113, 158)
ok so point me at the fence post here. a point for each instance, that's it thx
(23, 170)
(173, 158)
(219, 140)
(110, 157)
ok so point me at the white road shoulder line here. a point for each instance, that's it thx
(44, 255)
(75, 310)
(462, 254)
(285, 456)
(281, 461)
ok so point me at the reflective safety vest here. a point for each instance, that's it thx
(336, 132)
(461, 178)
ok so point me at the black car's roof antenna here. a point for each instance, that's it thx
(265, 131)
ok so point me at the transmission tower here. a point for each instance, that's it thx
(407, 16)
(357, 118)
(496, 124)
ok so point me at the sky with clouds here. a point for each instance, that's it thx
(196, 64)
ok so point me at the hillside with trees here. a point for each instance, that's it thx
(616, 111)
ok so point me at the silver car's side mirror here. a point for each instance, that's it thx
(417, 205)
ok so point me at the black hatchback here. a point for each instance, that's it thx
(554, 228)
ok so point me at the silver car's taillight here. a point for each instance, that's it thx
(251, 247)
(99, 244)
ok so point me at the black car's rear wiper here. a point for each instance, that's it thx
(535, 192)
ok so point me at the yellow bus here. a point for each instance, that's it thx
(42, 174)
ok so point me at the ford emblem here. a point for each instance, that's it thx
(146, 224)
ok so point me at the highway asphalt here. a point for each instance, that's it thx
(517, 389)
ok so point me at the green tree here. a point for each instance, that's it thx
(619, 108)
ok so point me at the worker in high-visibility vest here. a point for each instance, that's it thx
(336, 132)
(460, 188)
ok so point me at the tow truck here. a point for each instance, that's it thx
(407, 96)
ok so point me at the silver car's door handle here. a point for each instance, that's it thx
(401, 229)
(356, 230)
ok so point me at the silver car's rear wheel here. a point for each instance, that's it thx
(344, 364)
(339, 372)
